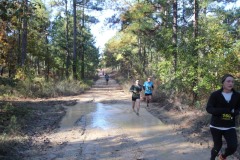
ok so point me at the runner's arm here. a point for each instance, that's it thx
(132, 89)
(212, 109)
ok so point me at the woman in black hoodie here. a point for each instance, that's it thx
(224, 105)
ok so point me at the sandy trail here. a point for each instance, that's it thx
(102, 126)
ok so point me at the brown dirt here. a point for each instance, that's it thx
(189, 122)
(192, 124)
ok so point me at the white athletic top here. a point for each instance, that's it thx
(227, 96)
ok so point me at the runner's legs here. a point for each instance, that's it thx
(133, 104)
(148, 98)
(138, 105)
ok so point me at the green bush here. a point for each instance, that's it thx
(12, 118)
(39, 88)
(13, 126)
(9, 146)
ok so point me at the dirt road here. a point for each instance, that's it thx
(102, 126)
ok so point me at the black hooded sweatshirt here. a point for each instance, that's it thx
(221, 110)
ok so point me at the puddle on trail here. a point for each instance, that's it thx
(110, 116)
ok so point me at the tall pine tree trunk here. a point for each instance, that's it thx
(47, 59)
(195, 52)
(19, 56)
(24, 34)
(175, 15)
(67, 41)
(74, 40)
(83, 43)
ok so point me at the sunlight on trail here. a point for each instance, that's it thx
(112, 126)
(110, 116)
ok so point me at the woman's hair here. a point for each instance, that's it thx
(225, 77)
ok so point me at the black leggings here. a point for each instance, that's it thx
(230, 137)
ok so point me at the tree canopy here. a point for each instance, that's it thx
(186, 45)
(33, 42)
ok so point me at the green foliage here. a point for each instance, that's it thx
(201, 60)
(49, 43)
(39, 88)
(8, 82)
(8, 146)
(10, 118)
(13, 126)
(20, 74)
(70, 88)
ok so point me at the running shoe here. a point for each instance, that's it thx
(221, 158)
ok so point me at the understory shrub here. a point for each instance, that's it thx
(39, 88)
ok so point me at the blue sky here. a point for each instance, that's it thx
(100, 31)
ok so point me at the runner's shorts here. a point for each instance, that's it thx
(148, 94)
(135, 98)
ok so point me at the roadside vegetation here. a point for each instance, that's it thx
(39, 88)
(20, 119)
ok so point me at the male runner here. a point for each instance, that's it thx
(148, 87)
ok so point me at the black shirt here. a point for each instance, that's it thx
(221, 110)
(136, 90)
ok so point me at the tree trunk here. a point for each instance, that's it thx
(10, 62)
(196, 10)
(175, 15)
(2, 69)
(74, 41)
(83, 42)
(195, 54)
(67, 41)
(47, 60)
(140, 51)
(38, 67)
(19, 48)
(145, 58)
(24, 34)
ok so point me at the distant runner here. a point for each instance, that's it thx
(106, 78)
(148, 87)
